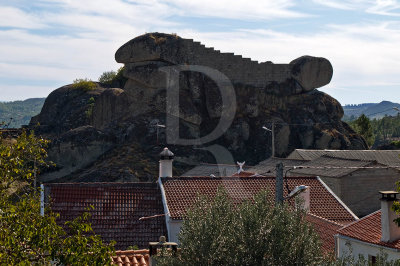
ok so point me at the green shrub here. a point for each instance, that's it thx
(216, 232)
(89, 111)
(107, 77)
(112, 78)
(84, 84)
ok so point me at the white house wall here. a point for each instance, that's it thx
(346, 244)
(174, 227)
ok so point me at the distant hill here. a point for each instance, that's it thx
(18, 113)
(372, 110)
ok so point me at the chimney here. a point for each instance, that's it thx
(302, 193)
(390, 230)
(304, 197)
(166, 158)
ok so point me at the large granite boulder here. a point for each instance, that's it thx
(127, 120)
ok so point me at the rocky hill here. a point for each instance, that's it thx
(372, 110)
(115, 134)
(17, 113)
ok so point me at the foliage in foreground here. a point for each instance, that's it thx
(216, 232)
(26, 237)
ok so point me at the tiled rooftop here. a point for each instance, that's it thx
(244, 174)
(117, 209)
(213, 169)
(131, 258)
(332, 167)
(326, 230)
(267, 167)
(385, 157)
(368, 229)
(181, 193)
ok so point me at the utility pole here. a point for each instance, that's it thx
(279, 184)
(272, 130)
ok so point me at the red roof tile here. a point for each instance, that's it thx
(117, 209)
(326, 230)
(181, 193)
(368, 229)
(131, 257)
(243, 174)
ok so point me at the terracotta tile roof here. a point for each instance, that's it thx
(244, 174)
(335, 167)
(326, 230)
(131, 257)
(385, 157)
(117, 209)
(368, 229)
(181, 193)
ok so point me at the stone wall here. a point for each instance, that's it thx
(310, 72)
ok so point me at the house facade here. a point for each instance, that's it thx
(355, 176)
(372, 234)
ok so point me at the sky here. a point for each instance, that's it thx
(45, 44)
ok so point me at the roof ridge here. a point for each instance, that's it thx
(359, 220)
(256, 176)
(99, 183)
(347, 150)
(325, 219)
(332, 156)
(338, 199)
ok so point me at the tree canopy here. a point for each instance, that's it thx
(26, 236)
(362, 125)
(218, 232)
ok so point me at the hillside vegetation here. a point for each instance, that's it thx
(18, 113)
(380, 133)
(371, 110)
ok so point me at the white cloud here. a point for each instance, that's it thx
(21, 92)
(16, 18)
(240, 9)
(378, 7)
(361, 55)
(385, 7)
(338, 4)
(87, 34)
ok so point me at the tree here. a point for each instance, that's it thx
(362, 125)
(26, 237)
(107, 77)
(216, 232)
(112, 78)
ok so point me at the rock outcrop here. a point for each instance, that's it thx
(126, 120)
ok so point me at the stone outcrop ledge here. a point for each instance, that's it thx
(309, 72)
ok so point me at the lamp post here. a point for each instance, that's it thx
(272, 130)
(158, 126)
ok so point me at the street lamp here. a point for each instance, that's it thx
(158, 126)
(272, 130)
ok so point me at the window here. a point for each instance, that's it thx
(372, 259)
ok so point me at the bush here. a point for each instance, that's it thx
(84, 84)
(89, 111)
(112, 78)
(216, 232)
(107, 77)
